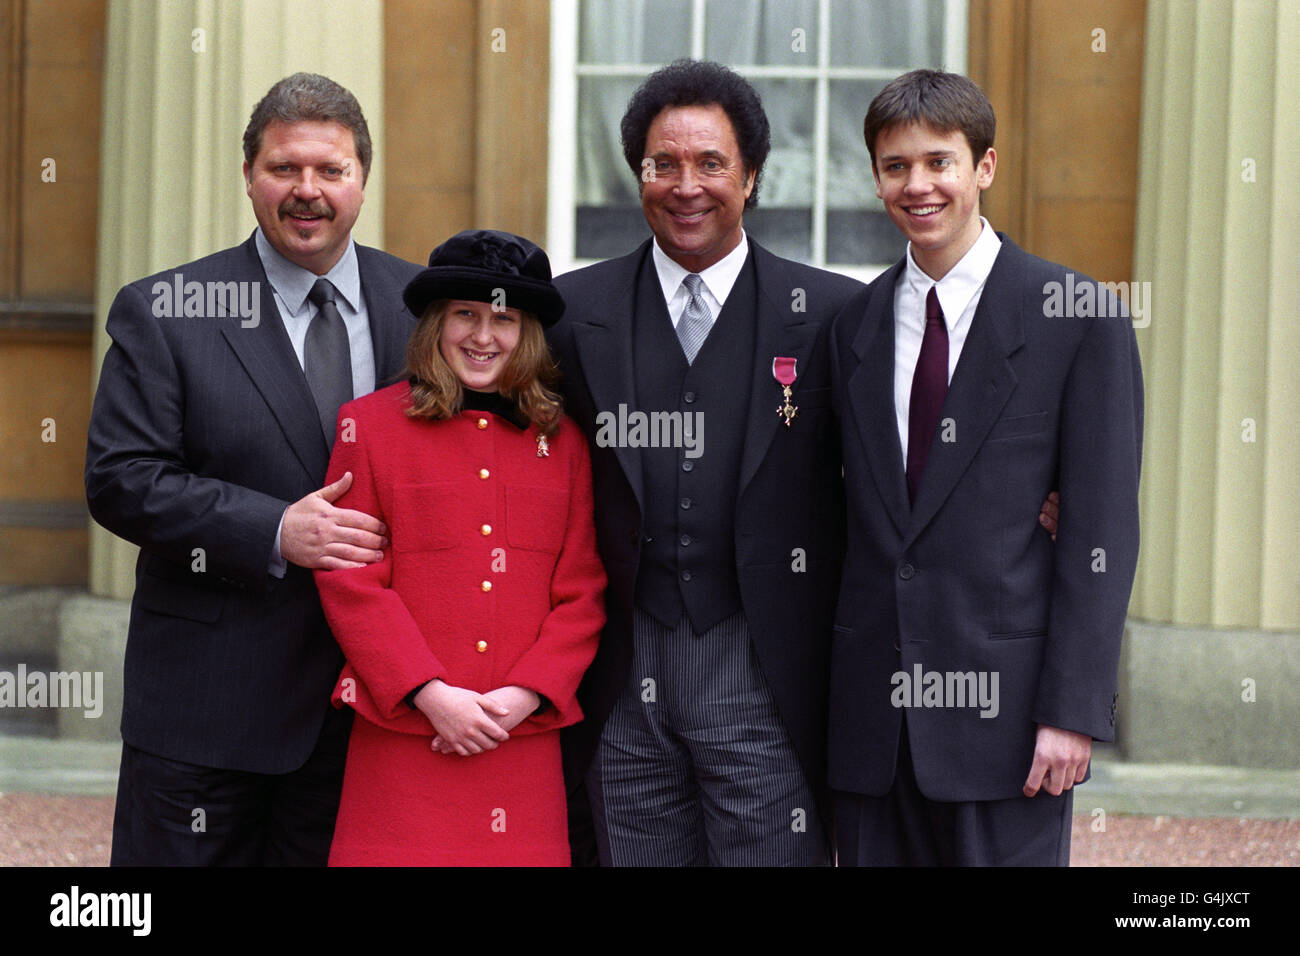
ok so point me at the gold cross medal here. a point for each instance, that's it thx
(783, 370)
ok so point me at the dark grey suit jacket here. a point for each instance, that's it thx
(789, 502)
(964, 581)
(203, 432)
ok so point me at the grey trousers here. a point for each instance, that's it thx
(694, 766)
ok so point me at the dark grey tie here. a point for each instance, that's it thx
(693, 327)
(327, 360)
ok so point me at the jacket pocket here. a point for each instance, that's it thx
(1017, 426)
(1019, 635)
(183, 599)
(536, 518)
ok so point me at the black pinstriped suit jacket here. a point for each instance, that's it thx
(203, 432)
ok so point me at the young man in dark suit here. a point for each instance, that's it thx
(973, 660)
(208, 444)
(705, 710)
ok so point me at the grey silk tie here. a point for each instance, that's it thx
(693, 327)
(327, 360)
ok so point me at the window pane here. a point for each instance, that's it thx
(761, 32)
(633, 31)
(603, 176)
(607, 207)
(783, 220)
(857, 230)
(901, 34)
(786, 232)
(608, 231)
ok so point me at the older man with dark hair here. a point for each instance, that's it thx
(704, 738)
(208, 444)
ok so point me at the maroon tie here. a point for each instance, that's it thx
(929, 386)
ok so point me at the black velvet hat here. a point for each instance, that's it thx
(473, 265)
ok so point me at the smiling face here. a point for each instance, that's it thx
(306, 184)
(695, 201)
(476, 342)
(931, 188)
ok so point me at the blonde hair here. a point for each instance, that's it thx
(528, 378)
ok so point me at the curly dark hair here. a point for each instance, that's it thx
(309, 97)
(945, 101)
(699, 83)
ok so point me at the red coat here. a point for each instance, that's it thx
(492, 578)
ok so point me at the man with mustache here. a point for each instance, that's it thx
(208, 444)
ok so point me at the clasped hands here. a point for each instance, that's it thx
(469, 723)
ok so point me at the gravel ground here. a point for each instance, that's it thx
(42, 830)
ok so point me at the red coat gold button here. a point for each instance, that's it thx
(481, 646)
(482, 423)
(485, 530)
(486, 585)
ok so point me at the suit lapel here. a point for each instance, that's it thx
(871, 395)
(779, 332)
(267, 356)
(603, 340)
(389, 332)
(980, 387)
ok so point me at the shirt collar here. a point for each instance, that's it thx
(718, 278)
(292, 282)
(964, 280)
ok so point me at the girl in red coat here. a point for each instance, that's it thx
(466, 642)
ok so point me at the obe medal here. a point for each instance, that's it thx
(783, 370)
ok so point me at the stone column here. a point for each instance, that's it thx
(1213, 658)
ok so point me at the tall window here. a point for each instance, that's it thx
(815, 63)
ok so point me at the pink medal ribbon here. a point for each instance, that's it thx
(783, 370)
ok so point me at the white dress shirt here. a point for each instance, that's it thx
(717, 280)
(959, 296)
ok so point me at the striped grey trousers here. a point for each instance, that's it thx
(694, 766)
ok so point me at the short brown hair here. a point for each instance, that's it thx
(309, 97)
(945, 101)
(527, 379)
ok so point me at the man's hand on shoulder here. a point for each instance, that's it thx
(315, 534)
(1060, 761)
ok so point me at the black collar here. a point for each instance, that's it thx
(497, 404)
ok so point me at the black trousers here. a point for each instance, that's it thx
(172, 813)
(904, 828)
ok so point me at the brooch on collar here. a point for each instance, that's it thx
(783, 370)
(543, 446)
